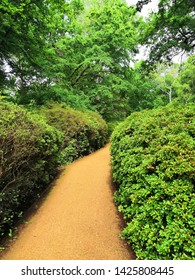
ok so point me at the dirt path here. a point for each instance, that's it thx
(77, 220)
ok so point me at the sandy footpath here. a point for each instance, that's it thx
(77, 220)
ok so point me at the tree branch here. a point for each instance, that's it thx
(80, 75)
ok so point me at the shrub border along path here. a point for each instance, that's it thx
(153, 163)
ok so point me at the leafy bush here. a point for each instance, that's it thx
(30, 152)
(111, 126)
(84, 132)
(153, 163)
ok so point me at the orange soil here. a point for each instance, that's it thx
(77, 220)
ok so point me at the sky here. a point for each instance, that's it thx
(147, 8)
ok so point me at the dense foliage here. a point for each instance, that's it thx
(28, 29)
(170, 30)
(84, 132)
(186, 81)
(82, 58)
(82, 52)
(153, 163)
(30, 152)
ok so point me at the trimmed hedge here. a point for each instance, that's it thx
(30, 152)
(153, 163)
(84, 132)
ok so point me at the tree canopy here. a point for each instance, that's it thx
(27, 28)
(170, 30)
(83, 53)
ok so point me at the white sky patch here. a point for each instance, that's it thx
(147, 9)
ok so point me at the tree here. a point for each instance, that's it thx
(186, 81)
(154, 89)
(164, 79)
(27, 28)
(94, 61)
(171, 30)
(22, 30)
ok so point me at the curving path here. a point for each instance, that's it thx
(77, 220)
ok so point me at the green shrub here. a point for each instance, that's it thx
(97, 130)
(84, 132)
(153, 163)
(111, 126)
(30, 152)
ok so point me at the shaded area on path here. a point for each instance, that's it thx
(77, 219)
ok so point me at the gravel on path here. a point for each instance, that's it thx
(77, 220)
